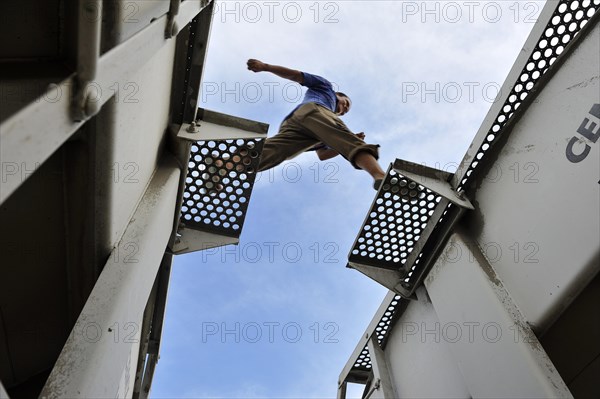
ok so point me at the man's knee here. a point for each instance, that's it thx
(368, 149)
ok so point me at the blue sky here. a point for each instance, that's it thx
(279, 315)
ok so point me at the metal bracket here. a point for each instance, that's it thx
(172, 28)
(211, 125)
(88, 52)
(190, 240)
(403, 230)
(434, 179)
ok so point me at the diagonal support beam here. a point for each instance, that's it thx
(468, 292)
(381, 373)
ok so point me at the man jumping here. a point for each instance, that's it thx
(314, 124)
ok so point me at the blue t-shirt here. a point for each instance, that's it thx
(320, 91)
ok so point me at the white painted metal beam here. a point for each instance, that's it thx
(3, 394)
(98, 352)
(497, 352)
(381, 375)
(195, 240)
(383, 308)
(31, 135)
(505, 91)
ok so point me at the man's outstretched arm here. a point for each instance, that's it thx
(282, 72)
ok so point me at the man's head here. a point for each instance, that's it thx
(343, 103)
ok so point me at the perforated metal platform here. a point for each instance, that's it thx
(363, 361)
(409, 205)
(219, 184)
(566, 22)
(401, 212)
(224, 154)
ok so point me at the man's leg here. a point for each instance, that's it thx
(367, 162)
(326, 127)
(289, 142)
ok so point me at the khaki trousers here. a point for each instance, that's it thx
(307, 126)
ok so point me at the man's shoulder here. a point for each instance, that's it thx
(311, 80)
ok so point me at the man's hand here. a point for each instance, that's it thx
(360, 135)
(282, 72)
(256, 65)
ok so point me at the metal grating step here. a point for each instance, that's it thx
(219, 184)
(402, 226)
(224, 153)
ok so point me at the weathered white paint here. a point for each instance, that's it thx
(128, 374)
(496, 351)
(138, 120)
(381, 375)
(540, 219)
(532, 246)
(419, 359)
(92, 361)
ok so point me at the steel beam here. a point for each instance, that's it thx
(501, 356)
(144, 339)
(505, 91)
(513, 78)
(199, 45)
(31, 135)
(341, 393)
(191, 240)
(148, 376)
(360, 346)
(3, 394)
(95, 356)
(381, 373)
(390, 279)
